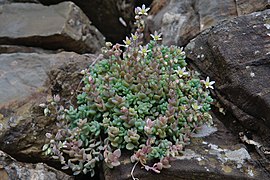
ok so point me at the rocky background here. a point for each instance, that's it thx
(44, 44)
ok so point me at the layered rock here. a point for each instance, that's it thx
(214, 154)
(21, 1)
(107, 15)
(236, 55)
(184, 19)
(23, 49)
(62, 26)
(26, 80)
(12, 169)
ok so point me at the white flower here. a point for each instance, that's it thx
(127, 42)
(108, 44)
(207, 83)
(195, 106)
(181, 72)
(144, 50)
(56, 98)
(134, 36)
(156, 36)
(142, 11)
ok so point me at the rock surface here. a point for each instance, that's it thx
(184, 19)
(214, 157)
(26, 80)
(62, 26)
(105, 15)
(21, 1)
(22, 49)
(11, 169)
(23, 74)
(236, 54)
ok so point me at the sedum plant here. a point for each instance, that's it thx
(138, 98)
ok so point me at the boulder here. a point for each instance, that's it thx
(23, 74)
(184, 19)
(25, 81)
(107, 16)
(214, 154)
(62, 26)
(12, 169)
(236, 54)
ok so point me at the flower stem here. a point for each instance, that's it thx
(132, 171)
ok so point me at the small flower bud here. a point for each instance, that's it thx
(108, 44)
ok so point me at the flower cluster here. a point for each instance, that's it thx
(143, 100)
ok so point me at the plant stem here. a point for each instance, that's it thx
(132, 171)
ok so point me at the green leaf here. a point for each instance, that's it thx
(141, 96)
(48, 152)
(97, 133)
(45, 147)
(65, 167)
(92, 173)
(76, 173)
(83, 138)
(129, 146)
(92, 112)
(85, 170)
(114, 144)
(109, 105)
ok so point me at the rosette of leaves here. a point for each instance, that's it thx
(143, 99)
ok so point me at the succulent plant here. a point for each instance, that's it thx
(140, 98)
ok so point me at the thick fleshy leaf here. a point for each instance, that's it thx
(129, 146)
(116, 163)
(45, 147)
(117, 153)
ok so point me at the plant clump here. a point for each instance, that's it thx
(139, 98)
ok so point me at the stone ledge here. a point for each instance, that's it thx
(61, 26)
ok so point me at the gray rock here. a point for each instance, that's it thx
(12, 1)
(22, 74)
(214, 157)
(210, 12)
(176, 19)
(62, 26)
(105, 15)
(205, 131)
(247, 7)
(184, 19)
(12, 169)
(236, 55)
(22, 49)
(26, 80)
